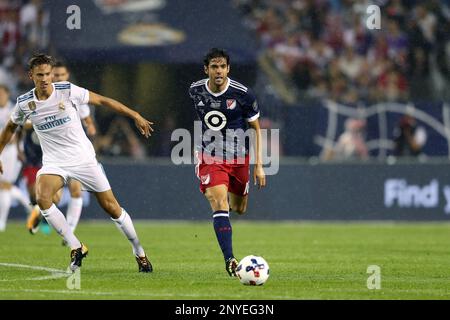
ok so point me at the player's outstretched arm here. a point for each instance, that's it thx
(5, 137)
(141, 123)
(90, 126)
(258, 173)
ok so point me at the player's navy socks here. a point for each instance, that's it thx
(223, 230)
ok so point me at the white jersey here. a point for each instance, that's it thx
(84, 111)
(57, 124)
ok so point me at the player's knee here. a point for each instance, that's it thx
(75, 189)
(75, 193)
(239, 206)
(222, 203)
(56, 198)
(44, 200)
(217, 203)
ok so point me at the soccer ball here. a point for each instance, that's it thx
(253, 271)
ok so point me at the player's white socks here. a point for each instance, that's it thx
(74, 212)
(5, 205)
(126, 226)
(56, 219)
(17, 194)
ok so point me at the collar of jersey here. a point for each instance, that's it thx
(36, 99)
(219, 93)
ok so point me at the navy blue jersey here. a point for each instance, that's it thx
(32, 149)
(219, 112)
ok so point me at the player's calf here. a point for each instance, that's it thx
(108, 202)
(240, 210)
(238, 204)
(124, 223)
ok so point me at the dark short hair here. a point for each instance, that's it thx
(216, 53)
(38, 59)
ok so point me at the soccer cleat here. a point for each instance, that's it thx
(77, 256)
(144, 264)
(34, 220)
(231, 265)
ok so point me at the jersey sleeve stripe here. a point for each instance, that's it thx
(196, 84)
(25, 98)
(200, 81)
(256, 116)
(239, 88)
(25, 95)
(237, 84)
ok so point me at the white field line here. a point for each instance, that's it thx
(55, 273)
(134, 294)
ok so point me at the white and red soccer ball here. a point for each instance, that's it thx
(253, 270)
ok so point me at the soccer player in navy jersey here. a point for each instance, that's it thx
(225, 107)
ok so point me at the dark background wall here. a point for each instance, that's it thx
(298, 191)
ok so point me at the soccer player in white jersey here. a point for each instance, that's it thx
(75, 206)
(68, 153)
(9, 157)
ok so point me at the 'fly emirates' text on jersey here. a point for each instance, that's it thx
(57, 123)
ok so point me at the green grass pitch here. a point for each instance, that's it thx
(307, 261)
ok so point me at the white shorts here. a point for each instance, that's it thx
(11, 164)
(92, 177)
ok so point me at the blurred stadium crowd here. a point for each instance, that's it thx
(319, 48)
(24, 29)
(326, 50)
